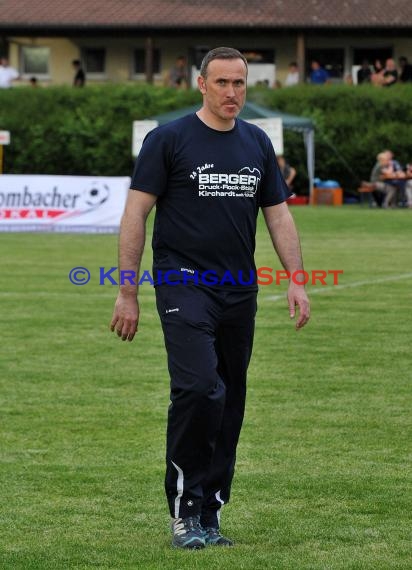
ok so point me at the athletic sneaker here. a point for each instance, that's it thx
(187, 533)
(213, 537)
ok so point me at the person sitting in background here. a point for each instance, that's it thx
(288, 172)
(318, 75)
(406, 70)
(397, 174)
(395, 165)
(292, 77)
(364, 72)
(390, 74)
(384, 192)
(408, 185)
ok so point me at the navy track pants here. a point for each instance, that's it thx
(208, 337)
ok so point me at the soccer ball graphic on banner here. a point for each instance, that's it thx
(95, 194)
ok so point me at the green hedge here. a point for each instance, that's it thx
(353, 124)
(61, 130)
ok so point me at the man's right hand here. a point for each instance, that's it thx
(125, 316)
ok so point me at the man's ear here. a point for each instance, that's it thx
(201, 83)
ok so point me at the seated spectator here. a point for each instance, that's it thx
(288, 172)
(364, 72)
(390, 74)
(384, 192)
(397, 175)
(292, 77)
(318, 75)
(408, 185)
(395, 165)
(406, 70)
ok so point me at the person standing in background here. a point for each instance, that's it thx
(7, 74)
(406, 70)
(318, 75)
(364, 72)
(178, 77)
(292, 77)
(79, 79)
(288, 172)
(390, 75)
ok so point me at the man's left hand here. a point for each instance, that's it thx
(297, 298)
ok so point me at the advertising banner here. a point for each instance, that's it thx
(273, 127)
(44, 203)
(140, 130)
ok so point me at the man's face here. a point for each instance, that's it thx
(224, 88)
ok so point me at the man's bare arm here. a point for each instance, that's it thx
(132, 237)
(285, 240)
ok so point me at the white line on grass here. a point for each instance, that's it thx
(327, 289)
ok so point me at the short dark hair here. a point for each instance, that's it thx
(220, 53)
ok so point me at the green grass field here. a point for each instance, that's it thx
(323, 476)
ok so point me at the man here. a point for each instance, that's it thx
(178, 74)
(385, 190)
(79, 79)
(208, 174)
(7, 74)
(318, 75)
(390, 74)
(406, 70)
(364, 73)
(292, 77)
(288, 172)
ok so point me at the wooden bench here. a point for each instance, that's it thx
(366, 189)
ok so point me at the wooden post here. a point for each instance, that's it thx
(149, 59)
(300, 57)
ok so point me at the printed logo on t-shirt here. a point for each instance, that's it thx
(243, 184)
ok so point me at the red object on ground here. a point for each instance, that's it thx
(298, 200)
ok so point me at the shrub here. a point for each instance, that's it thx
(61, 130)
(352, 124)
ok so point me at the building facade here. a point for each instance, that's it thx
(132, 40)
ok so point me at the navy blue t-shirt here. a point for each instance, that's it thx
(210, 185)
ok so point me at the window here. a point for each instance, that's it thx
(94, 60)
(371, 54)
(35, 60)
(197, 54)
(332, 59)
(139, 61)
(258, 55)
(261, 66)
